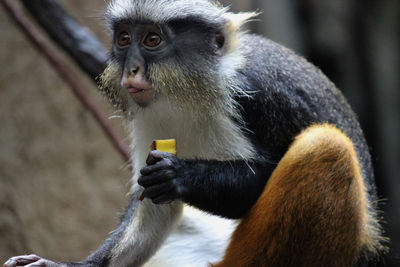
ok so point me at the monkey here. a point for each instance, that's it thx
(272, 168)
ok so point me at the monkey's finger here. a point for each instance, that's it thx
(151, 160)
(21, 260)
(156, 178)
(161, 165)
(157, 154)
(41, 264)
(45, 263)
(10, 263)
(156, 191)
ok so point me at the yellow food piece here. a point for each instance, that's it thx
(168, 145)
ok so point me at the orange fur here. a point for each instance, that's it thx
(313, 210)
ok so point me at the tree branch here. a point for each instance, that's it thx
(78, 41)
(42, 45)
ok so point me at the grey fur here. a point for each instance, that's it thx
(160, 11)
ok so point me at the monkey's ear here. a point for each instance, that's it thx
(237, 20)
(219, 43)
(233, 26)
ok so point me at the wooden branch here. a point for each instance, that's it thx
(42, 45)
(78, 41)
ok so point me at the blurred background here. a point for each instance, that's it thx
(62, 185)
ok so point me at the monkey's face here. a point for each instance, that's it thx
(176, 61)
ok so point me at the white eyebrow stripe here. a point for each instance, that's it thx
(160, 11)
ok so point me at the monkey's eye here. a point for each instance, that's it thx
(152, 41)
(124, 39)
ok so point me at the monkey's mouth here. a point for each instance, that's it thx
(142, 96)
(133, 90)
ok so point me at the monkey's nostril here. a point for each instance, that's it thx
(134, 70)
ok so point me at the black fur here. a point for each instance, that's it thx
(291, 95)
(182, 35)
(226, 188)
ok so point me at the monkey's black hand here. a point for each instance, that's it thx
(161, 178)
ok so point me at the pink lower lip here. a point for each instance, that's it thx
(132, 90)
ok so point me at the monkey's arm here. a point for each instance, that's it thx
(225, 188)
(135, 239)
(100, 257)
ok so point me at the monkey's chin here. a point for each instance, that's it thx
(142, 97)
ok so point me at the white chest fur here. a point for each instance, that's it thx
(217, 138)
(200, 238)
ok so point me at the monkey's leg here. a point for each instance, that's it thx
(313, 211)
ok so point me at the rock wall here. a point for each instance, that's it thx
(61, 182)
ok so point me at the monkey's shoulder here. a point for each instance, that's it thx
(288, 94)
(274, 66)
(289, 84)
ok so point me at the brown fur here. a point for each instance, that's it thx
(313, 211)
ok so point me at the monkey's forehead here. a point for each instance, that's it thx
(161, 11)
